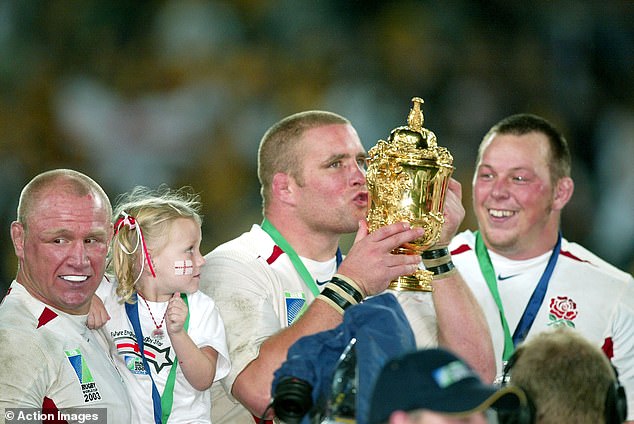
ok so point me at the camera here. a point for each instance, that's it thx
(292, 399)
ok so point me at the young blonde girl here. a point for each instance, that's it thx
(166, 337)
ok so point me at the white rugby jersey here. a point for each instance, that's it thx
(205, 329)
(259, 292)
(584, 292)
(52, 362)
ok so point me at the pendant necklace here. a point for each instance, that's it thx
(158, 332)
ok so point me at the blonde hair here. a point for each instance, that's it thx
(143, 217)
(565, 375)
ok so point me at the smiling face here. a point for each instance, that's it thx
(61, 248)
(177, 261)
(517, 205)
(330, 192)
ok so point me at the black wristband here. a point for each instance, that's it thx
(435, 254)
(335, 297)
(441, 269)
(356, 295)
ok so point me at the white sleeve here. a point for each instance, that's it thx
(623, 343)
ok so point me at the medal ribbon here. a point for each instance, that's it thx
(162, 404)
(294, 257)
(534, 303)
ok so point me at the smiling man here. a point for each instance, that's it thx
(526, 276)
(51, 361)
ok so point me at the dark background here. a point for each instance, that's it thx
(180, 92)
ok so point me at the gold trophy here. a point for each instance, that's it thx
(407, 178)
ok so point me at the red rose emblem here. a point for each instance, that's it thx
(563, 308)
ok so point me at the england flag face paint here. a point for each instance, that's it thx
(185, 267)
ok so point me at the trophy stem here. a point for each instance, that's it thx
(420, 281)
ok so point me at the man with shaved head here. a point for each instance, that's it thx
(52, 363)
(287, 278)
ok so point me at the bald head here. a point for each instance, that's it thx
(61, 180)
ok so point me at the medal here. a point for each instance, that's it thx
(158, 333)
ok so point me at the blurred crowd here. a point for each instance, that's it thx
(180, 92)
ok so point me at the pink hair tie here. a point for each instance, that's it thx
(128, 221)
(125, 220)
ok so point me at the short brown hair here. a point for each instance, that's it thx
(277, 151)
(524, 123)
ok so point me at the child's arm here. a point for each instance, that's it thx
(198, 364)
(97, 316)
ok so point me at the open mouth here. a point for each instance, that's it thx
(361, 198)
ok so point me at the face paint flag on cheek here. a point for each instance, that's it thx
(183, 267)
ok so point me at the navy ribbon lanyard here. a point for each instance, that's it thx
(162, 405)
(537, 298)
(534, 303)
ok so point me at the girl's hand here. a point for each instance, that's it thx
(176, 314)
(97, 316)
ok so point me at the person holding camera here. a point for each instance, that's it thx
(287, 278)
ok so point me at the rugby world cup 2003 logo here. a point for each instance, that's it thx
(88, 386)
(563, 311)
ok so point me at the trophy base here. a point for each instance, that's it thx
(420, 281)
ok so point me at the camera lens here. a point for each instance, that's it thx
(292, 399)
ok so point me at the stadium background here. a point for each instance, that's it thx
(180, 92)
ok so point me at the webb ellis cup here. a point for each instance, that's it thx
(407, 177)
